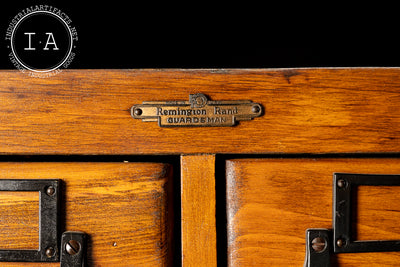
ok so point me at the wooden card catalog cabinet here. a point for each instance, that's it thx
(200, 168)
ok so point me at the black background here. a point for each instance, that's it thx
(116, 34)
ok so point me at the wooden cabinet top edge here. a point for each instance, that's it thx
(305, 110)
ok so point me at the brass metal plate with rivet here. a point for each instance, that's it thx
(199, 111)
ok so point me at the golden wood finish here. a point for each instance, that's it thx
(19, 220)
(199, 243)
(377, 210)
(271, 203)
(126, 207)
(123, 207)
(306, 111)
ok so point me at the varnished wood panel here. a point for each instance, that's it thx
(377, 213)
(199, 243)
(123, 207)
(305, 111)
(19, 220)
(271, 203)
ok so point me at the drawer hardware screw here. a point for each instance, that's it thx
(255, 109)
(138, 112)
(72, 247)
(50, 190)
(341, 183)
(340, 242)
(50, 252)
(318, 244)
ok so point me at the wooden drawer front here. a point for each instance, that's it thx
(305, 111)
(271, 203)
(123, 207)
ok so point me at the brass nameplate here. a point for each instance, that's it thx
(198, 111)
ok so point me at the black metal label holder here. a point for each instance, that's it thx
(342, 213)
(322, 243)
(48, 220)
(70, 251)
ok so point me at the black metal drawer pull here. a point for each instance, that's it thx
(73, 249)
(318, 248)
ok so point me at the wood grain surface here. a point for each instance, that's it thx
(19, 220)
(271, 203)
(123, 207)
(305, 111)
(199, 242)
